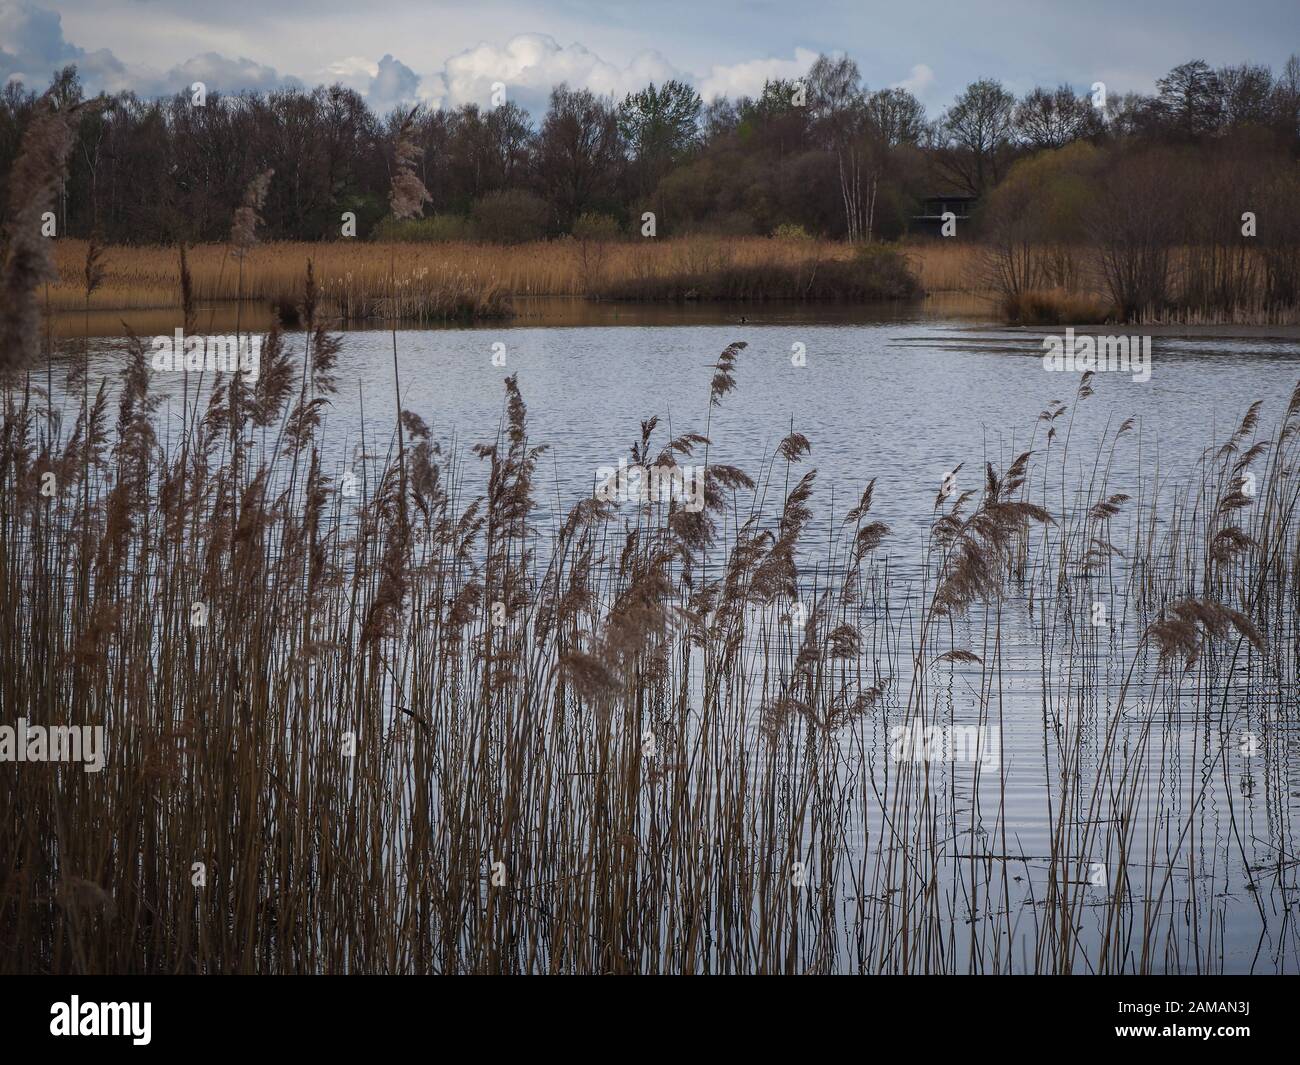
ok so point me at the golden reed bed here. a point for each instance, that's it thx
(474, 278)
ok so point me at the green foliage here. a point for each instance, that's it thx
(882, 271)
(790, 231)
(594, 226)
(660, 122)
(436, 228)
(1048, 193)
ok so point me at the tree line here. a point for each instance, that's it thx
(822, 154)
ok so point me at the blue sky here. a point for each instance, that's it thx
(451, 53)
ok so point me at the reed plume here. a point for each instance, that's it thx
(34, 182)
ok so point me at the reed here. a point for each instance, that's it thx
(466, 280)
(374, 718)
(463, 281)
(1195, 284)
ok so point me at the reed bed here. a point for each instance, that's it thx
(1041, 284)
(373, 718)
(429, 282)
(356, 281)
(946, 265)
(464, 280)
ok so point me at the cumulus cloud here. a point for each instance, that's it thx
(217, 73)
(32, 50)
(394, 84)
(352, 72)
(918, 81)
(746, 79)
(530, 64)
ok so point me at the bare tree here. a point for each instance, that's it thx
(896, 117)
(838, 112)
(1190, 99)
(1134, 226)
(1246, 93)
(579, 151)
(1046, 119)
(976, 132)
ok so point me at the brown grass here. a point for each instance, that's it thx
(946, 265)
(444, 281)
(1054, 307)
(451, 280)
(1039, 284)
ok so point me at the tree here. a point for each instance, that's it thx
(510, 137)
(1132, 115)
(777, 122)
(977, 131)
(839, 115)
(659, 127)
(1190, 99)
(1285, 102)
(1053, 119)
(720, 119)
(1246, 94)
(896, 117)
(578, 151)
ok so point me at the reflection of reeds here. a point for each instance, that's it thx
(411, 733)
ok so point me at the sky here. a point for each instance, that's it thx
(444, 54)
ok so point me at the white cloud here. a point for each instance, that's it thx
(747, 78)
(530, 64)
(921, 83)
(918, 80)
(394, 85)
(32, 49)
(218, 73)
(352, 72)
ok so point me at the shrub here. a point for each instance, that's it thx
(437, 228)
(713, 272)
(511, 216)
(882, 272)
(594, 226)
(790, 231)
(1054, 307)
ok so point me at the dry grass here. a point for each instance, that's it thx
(1054, 307)
(1055, 285)
(446, 280)
(443, 281)
(353, 286)
(946, 265)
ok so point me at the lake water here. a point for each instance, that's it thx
(902, 400)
